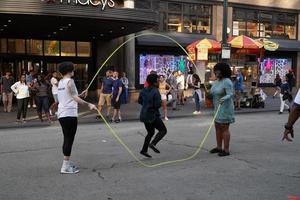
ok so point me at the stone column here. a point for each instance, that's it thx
(298, 58)
(130, 52)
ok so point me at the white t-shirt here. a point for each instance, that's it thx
(67, 106)
(54, 83)
(22, 90)
(297, 98)
(180, 82)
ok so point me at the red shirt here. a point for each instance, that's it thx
(146, 84)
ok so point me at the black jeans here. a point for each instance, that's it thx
(22, 108)
(150, 127)
(42, 104)
(69, 128)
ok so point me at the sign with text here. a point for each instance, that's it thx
(226, 51)
(101, 3)
(202, 52)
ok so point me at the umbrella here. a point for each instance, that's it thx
(212, 45)
(244, 42)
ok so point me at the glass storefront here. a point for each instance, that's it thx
(255, 23)
(185, 18)
(34, 47)
(45, 47)
(16, 46)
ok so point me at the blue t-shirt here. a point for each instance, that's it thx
(116, 84)
(107, 85)
(239, 83)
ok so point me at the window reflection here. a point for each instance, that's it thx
(51, 47)
(264, 24)
(3, 45)
(83, 49)
(34, 47)
(187, 18)
(68, 48)
(16, 46)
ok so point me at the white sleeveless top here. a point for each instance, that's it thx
(67, 106)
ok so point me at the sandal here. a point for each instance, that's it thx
(215, 150)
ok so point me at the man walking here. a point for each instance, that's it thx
(7, 95)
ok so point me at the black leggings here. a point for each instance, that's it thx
(150, 127)
(22, 108)
(69, 128)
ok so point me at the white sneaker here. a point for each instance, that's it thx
(71, 169)
(197, 113)
(29, 106)
(166, 118)
(34, 106)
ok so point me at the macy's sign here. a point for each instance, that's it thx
(102, 3)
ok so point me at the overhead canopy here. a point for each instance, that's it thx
(181, 38)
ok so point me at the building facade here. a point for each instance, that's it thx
(38, 34)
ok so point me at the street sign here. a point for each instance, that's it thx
(226, 50)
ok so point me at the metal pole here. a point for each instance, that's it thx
(225, 16)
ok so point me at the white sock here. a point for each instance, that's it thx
(66, 163)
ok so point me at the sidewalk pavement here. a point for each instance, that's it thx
(130, 112)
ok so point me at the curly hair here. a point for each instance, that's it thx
(224, 68)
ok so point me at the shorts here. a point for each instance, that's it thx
(55, 98)
(163, 97)
(238, 94)
(104, 98)
(116, 104)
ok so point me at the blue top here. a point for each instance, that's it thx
(223, 90)
(238, 85)
(107, 85)
(150, 100)
(284, 88)
(116, 84)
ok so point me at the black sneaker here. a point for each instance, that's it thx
(151, 146)
(117, 121)
(215, 150)
(145, 154)
(223, 153)
(280, 113)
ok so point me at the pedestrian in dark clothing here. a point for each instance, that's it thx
(42, 89)
(150, 100)
(290, 79)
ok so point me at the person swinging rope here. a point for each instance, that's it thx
(68, 100)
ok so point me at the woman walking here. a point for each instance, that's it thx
(196, 85)
(21, 89)
(68, 99)
(164, 89)
(41, 89)
(277, 83)
(284, 95)
(222, 92)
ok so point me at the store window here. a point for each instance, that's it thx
(256, 23)
(68, 48)
(34, 47)
(187, 18)
(16, 46)
(83, 49)
(3, 45)
(51, 47)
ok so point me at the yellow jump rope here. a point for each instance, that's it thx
(116, 136)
